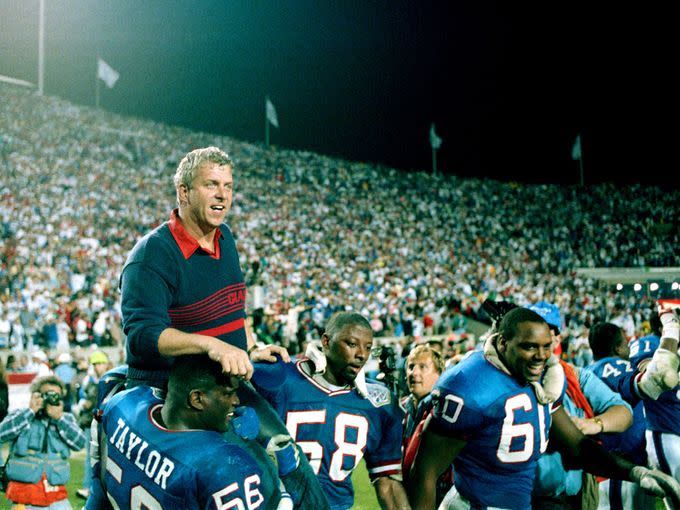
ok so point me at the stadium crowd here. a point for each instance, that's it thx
(409, 250)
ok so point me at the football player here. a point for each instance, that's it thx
(491, 418)
(335, 416)
(179, 453)
(610, 351)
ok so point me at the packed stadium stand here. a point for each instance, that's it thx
(415, 253)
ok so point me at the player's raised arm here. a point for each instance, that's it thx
(661, 372)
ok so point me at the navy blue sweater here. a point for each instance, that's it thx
(170, 282)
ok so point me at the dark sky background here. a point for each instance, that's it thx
(508, 86)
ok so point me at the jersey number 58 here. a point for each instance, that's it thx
(315, 450)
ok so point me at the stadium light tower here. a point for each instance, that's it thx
(41, 48)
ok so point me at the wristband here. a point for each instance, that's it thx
(287, 459)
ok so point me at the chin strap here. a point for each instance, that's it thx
(315, 354)
(360, 383)
(548, 390)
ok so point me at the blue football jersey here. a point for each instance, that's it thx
(506, 430)
(151, 467)
(335, 427)
(663, 414)
(618, 374)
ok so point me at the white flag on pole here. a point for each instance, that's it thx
(16, 81)
(271, 113)
(435, 141)
(106, 73)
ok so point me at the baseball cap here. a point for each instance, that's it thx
(39, 355)
(64, 357)
(98, 357)
(549, 312)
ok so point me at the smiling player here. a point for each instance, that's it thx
(174, 454)
(492, 420)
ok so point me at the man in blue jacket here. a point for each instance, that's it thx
(42, 437)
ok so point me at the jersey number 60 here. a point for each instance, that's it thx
(510, 431)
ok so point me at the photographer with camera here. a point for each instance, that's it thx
(42, 436)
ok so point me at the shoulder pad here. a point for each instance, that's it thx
(111, 383)
(378, 394)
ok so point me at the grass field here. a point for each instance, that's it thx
(364, 495)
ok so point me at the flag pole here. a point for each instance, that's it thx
(96, 85)
(577, 153)
(435, 143)
(434, 161)
(41, 49)
(266, 123)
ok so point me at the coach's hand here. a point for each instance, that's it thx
(268, 354)
(658, 483)
(234, 360)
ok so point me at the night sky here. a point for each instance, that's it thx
(508, 87)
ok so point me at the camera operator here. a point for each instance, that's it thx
(389, 373)
(42, 436)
